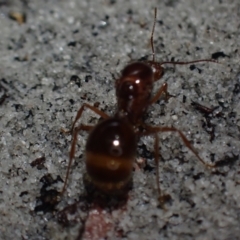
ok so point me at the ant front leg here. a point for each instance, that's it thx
(72, 151)
(162, 90)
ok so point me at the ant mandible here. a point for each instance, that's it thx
(111, 146)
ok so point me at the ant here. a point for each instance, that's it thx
(112, 143)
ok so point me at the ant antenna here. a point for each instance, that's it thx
(151, 39)
(189, 62)
(172, 62)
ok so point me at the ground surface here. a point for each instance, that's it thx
(95, 40)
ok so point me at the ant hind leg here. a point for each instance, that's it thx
(72, 151)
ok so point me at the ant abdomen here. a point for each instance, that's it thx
(110, 154)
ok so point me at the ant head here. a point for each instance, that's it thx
(157, 69)
(137, 70)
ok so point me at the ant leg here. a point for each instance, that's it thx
(153, 130)
(161, 90)
(72, 151)
(162, 198)
(156, 157)
(94, 109)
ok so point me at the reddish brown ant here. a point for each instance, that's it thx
(111, 145)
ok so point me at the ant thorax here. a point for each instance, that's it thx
(133, 91)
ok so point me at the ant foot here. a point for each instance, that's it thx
(65, 131)
(163, 199)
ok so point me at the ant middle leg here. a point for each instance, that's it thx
(149, 130)
(153, 130)
(162, 198)
(83, 107)
(72, 151)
